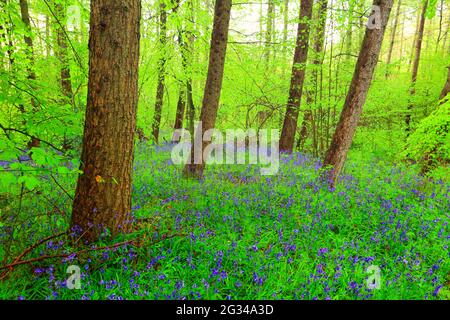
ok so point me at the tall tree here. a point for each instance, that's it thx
(391, 43)
(269, 30)
(297, 78)
(415, 69)
(213, 84)
(103, 193)
(356, 96)
(61, 49)
(318, 46)
(161, 71)
(25, 15)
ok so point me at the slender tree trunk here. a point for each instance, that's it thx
(66, 83)
(297, 78)
(391, 43)
(441, 17)
(446, 88)
(213, 84)
(25, 14)
(161, 72)
(103, 193)
(181, 105)
(269, 30)
(349, 39)
(415, 37)
(189, 55)
(317, 62)
(415, 68)
(285, 25)
(362, 77)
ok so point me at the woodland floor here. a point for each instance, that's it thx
(239, 235)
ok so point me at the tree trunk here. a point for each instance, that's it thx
(285, 25)
(446, 88)
(103, 193)
(181, 104)
(362, 77)
(213, 84)
(269, 30)
(415, 37)
(297, 78)
(161, 72)
(391, 44)
(317, 62)
(25, 15)
(415, 68)
(66, 83)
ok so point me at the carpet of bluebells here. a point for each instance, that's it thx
(239, 235)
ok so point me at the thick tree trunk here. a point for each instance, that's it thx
(317, 61)
(391, 43)
(213, 84)
(103, 193)
(415, 69)
(297, 78)
(161, 72)
(66, 83)
(446, 88)
(362, 77)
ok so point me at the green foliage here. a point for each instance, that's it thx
(429, 144)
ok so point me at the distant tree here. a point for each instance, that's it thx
(391, 43)
(356, 96)
(213, 84)
(61, 48)
(297, 78)
(415, 69)
(161, 71)
(318, 46)
(103, 193)
(25, 15)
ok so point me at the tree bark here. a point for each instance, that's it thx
(317, 62)
(213, 84)
(356, 96)
(391, 44)
(25, 15)
(66, 83)
(446, 88)
(415, 69)
(103, 193)
(161, 72)
(269, 30)
(297, 78)
(181, 104)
